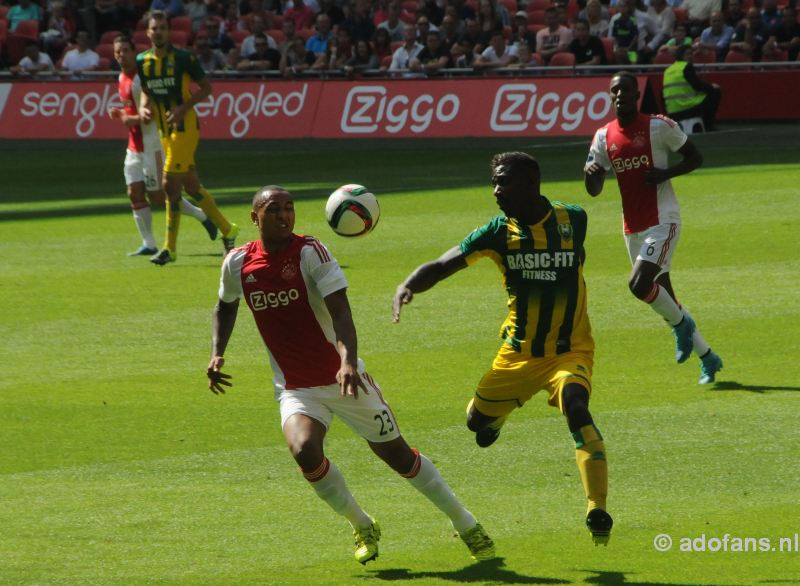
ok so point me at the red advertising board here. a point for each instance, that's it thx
(330, 109)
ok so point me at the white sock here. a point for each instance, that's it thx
(330, 486)
(425, 477)
(144, 223)
(700, 344)
(188, 208)
(664, 305)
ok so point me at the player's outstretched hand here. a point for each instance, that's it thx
(655, 176)
(217, 379)
(350, 381)
(402, 296)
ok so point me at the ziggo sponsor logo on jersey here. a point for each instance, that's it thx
(245, 106)
(367, 107)
(260, 301)
(622, 165)
(86, 107)
(516, 105)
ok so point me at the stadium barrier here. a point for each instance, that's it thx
(466, 107)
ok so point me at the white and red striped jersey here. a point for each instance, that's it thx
(146, 135)
(630, 151)
(286, 292)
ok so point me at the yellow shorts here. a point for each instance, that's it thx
(513, 379)
(179, 148)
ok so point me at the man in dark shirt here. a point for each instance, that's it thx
(587, 48)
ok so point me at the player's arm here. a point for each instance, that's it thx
(176, 114)
(597, 163)
(145, 110)
(346, 343)
(691, 159)
(426, 276)
(223, 320)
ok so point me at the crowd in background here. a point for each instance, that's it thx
(414, 38)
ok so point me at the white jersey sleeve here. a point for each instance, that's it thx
(598, 152)
(322, 268)
(666, 133)
(230, 283)
(151, 140)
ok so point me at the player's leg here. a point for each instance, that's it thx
(651, 255)
(142, 215)
(206, 202)
(188, 208)
(570, 387)
(172, 180)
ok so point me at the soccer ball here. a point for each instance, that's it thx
(352, 211)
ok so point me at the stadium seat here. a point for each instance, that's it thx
(506, 32)
(535, 28)
(277, 22)
(539, 4)
(573, 8)
(277, 35)
(608, 46)
(3, 12)
(664, 58)
(702, 56)
(141, 24)
(181, 23)
(386, 61)
(562, 60)
(775, 56)
(238, 36)
(179, 38)
(681, 16)
(409, 6)
(305, 33)
(511, 6)
(408, 17)
(104, 64)
(28, 28)
(737, 57)
(536, 17)
(3, 32)
(141, 47)
(108, 37)
(140, 37)
(105, 50)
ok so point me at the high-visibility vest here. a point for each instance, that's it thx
(678, 94)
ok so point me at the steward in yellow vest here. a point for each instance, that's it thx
(688, 96)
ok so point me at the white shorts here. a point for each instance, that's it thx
(656, 245)
(147, 167)
(368, 415)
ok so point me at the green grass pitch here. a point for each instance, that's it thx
(118, 466)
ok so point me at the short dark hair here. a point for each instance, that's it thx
(124, 39)
(626, 75)
(517, 160)
(261, 194)
(157, 15)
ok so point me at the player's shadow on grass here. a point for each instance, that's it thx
(619, 579)
(735, 386)
(486, 571)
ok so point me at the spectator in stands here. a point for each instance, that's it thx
(171, 7)
(263, 57)
(401, 58)
(289, 33)
(301, 14)
(526, 58)
(433, 57)
(81, 58)
(554, 37)
(359, 23)
(651, 37)
(331, 9)
(488, 21)
(497, 54)
(60, 29)
(587, 48)
(664, 17)
(362, 60)
(231, 22)
(597, 17)
(458, 24)
(257, 29)
(232, 59)
(787, 36)
(448, 30)
(733, 13)
(463, 53)
(716, 38)
(770, 14)
(295, 59)
(382, 44)
(210, 59)
(520, 35)
(601, 12)
(108, 15)
(393, 25)
(686, 95)
(256, 7)
(424, 26)
(472, 32)
(197, 11)
(216, 38)
(503, 15)
(432, 10)
(625, 33)
(25, 10)
(34, 63)
(318, 43)
(464, 10)
(751, 35)
(680, 39)
(344, 48)
(699, 14)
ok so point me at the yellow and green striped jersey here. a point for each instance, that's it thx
(542, 267)
(166, 80)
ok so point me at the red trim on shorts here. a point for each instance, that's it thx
(665, 249)
(319, 473)
(416, 467)
(653, 294)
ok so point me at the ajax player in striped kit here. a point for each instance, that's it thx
(637, 146)
(298, 295)
(144, 161)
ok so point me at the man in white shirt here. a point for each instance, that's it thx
(497, 54)
(34, 62)
(82, 58)
(554, 37)
(257, 28)
(402, 57)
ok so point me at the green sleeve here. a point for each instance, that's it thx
(484, 241)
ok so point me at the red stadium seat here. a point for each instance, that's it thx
(681, 16)
(238, 36)
(277, 35)
(3, 32)
(536, 17)
(142, 47)
(277, 21)
(28, 28)
(539, 4)
(562, 60)
(141, 24)
(3, 11)
(664, 58)
(140, 38)
(305, 33)
(737, 57)
(535, 28)
(703, 56)
(776, 56)
(608, 46)
(511, 6)
(105, 50)
(386, 61)
(104, 64)
(506, 32)
(179, 38)
(108, 37)
(181, 23)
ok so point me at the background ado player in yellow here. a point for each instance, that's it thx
(538, 247)
(166, 74)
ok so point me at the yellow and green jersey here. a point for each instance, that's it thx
(166, 80)
(542, 267)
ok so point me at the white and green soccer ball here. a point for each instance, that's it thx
(352, 210)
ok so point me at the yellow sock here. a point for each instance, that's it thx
(206, 202)
(173, 223)
(590, 455)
